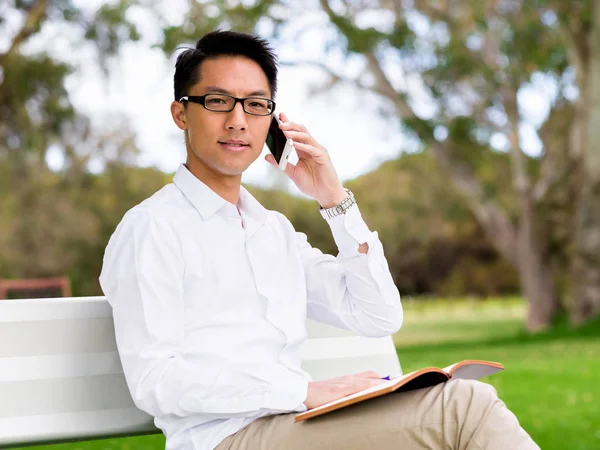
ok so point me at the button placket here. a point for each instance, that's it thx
(274, 285)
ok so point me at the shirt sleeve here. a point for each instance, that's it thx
(142, 278)
(353, 290)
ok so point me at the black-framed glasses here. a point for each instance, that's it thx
(257, 106)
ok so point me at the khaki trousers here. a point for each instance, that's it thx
(458, 414)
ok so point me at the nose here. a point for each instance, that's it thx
(236, 118)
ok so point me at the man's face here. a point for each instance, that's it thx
(212, 137)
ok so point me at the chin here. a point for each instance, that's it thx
(223, 167)
(234, 168)
(232, 171)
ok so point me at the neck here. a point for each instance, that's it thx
(226, 187)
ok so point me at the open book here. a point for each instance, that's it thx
(429, 376)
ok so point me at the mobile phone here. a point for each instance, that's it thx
(279, 146)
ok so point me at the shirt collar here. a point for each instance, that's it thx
(204, 199)
(207, 202)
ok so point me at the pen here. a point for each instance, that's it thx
(386, 378)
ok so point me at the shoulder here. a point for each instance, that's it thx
(166, 205)
(167, 208)
(156, 217)
(145, 231)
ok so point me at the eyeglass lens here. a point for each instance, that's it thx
(252, 105)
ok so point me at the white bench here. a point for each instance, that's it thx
(61, 378)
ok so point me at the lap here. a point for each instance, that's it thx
(418, 418)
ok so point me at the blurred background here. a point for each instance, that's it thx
(467, 129)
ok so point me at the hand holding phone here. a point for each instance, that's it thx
(279, 146)
(314, 173)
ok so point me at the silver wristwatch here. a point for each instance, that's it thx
(340, 209)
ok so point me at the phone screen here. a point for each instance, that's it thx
(276, 140)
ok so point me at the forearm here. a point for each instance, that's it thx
(355, 289)
(355, 293)
(173, 386)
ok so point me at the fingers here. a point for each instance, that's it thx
(315, 152)
(365, 383)
(320, 392)
(286, 125)
(363, 380)
(358, 382)
(369, 374)
(301, 136)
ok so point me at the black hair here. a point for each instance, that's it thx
(223, 43)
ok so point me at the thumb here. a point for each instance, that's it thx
(289, 167)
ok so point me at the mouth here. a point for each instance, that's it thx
(233, 145)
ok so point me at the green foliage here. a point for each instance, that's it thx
(34, 104)
(47, 227)
(402, 37)
(431, 240)
(421, 128)
(110, 27)
(204, 17)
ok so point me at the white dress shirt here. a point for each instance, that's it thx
(210, 301)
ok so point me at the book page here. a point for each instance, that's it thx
(379, 387)
(473, 369)
(449, 368)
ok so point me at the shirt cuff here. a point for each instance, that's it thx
(349, 230)
(287, 400)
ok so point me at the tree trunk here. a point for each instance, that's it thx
(585, 270)
(533, 264)
(535, 273)
(521, 246)
(586, 262)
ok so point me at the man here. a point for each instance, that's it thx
(210, 291)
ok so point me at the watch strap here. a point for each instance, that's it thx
(340, 209)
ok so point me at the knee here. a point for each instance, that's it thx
(471, 390)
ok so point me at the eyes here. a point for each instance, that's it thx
(215, 101)
(257, 105)
(252, 105)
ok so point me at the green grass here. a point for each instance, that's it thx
(551, 381)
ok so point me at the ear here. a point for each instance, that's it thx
(179, 115)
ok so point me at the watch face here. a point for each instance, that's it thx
(340, 209)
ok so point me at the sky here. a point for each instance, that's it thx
(139, 92)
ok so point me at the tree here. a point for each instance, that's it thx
(43, 226)
(582, 39)
(471, 62)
